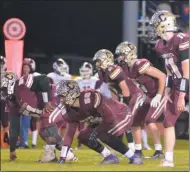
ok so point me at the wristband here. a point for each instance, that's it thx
(126, 100)
(45, 97)
(184, 85)
(169, 81)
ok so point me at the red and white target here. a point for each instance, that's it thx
(14, 29)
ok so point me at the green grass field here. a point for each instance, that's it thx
(89, 161)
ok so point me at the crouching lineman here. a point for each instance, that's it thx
(61, 71)
(48, 132)
(87, 81)
(152, 81)
(88, 106)
(173, 47)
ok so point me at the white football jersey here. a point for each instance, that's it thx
(36, 74)
(86, 83)
(57, 78)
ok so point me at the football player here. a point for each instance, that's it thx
(115, 118)
(3, 115)
(29, 67)
(48, 132)
(173, 47)
(126, 88)
(61, 71)
(152, 81)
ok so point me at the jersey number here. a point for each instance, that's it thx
(87, 98)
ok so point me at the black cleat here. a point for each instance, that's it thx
(61, 161)
(33, 146)
(139, 153)
(157, 155)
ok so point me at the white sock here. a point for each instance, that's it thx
(129, 153)
(138, 147)
(50, 146)
(106, 152)
(169, 156)
(64, 151)
(158, 147)
(34, 137)
(144, 137)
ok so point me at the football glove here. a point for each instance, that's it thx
(156, 101)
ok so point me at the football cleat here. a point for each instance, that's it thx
(49, 155)
(139, 153)
(12, 156)
(166, 163)
(136, 160)
(157, 155)
(110, 159)
(61, 161)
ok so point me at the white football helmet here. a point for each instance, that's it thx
(60, 67)
(86, 70)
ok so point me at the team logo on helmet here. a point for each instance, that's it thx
(103, 59)
(160, 23)
(126, 52)
(69, 90)
(8, 82)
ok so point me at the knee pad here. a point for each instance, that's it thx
(51, 135)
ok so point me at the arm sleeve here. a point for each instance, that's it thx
(41, 83)
(183, 46)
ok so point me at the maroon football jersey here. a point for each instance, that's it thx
(172, 51)
(114, 75)
(137, 72)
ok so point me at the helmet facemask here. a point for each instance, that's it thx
(60, 67)
(86, 70)
(126, 53)
(8, 83)
(103, 59)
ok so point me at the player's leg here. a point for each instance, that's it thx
(145, 138)
(170, 118)
(137, 137)
(14, 133)
(152, 116)
(118, 145)
(88, 139)
(25, 125)
(130, 141)
(80, 128)
(33, 127)
(4, 121)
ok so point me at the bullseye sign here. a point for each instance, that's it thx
(14, 29)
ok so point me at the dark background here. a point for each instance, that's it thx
(72, 27)
(75, 27)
